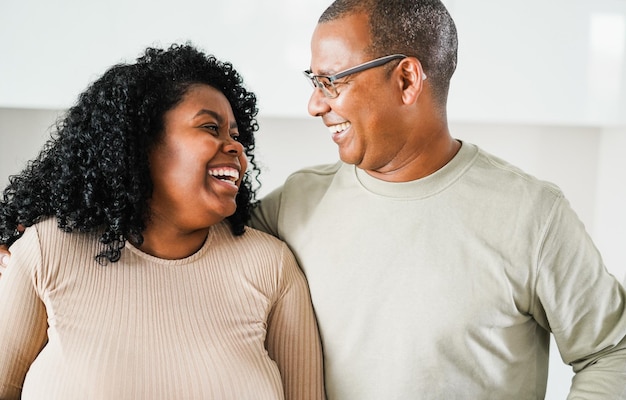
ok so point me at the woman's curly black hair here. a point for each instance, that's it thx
(93, 175)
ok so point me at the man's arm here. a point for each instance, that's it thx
(583, 305)
(265, 214)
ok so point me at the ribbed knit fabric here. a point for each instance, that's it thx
(225, 323)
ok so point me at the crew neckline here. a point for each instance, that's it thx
(179, 261)
(423, 187)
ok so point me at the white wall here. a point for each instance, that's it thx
(531, 62)
(609, 230)
(540, 61)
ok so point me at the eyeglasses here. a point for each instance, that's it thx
(327, 83)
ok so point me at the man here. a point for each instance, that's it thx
(437, 271)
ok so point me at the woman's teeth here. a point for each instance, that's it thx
(225, 174)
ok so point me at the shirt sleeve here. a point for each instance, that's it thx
(265, 214)
(584, 307)
(292, 335)
(23, 321)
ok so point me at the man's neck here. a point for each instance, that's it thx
(422, 161)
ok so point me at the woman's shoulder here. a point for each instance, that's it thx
(255, 243)
(56, 243)
(250, 237)
(260, 236)
(48, 228)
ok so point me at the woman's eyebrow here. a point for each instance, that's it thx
(217, 116)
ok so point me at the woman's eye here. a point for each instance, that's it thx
(235, 136)
(211, 127)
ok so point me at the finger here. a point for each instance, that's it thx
(4, 261)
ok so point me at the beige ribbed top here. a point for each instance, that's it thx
(225, 323)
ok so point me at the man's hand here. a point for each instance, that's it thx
(4, 258)
(5, 254)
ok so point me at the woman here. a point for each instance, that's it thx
(136, 277)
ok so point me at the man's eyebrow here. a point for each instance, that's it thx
(321, 72)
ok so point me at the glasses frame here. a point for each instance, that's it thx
(315, 82)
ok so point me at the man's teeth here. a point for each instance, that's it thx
(226, 174)
(339, 127)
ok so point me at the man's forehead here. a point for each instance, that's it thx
(336, 46)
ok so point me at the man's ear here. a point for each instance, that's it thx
(412, 76)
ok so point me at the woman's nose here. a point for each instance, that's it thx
(232, 146)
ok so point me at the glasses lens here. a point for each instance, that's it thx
(309, 77)
(327, 86)
(322, 82)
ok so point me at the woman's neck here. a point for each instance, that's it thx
(171, 243)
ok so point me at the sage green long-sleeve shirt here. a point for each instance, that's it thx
(448, 287)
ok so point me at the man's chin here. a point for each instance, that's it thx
(349, 157)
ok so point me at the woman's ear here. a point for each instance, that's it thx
(412, 76)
